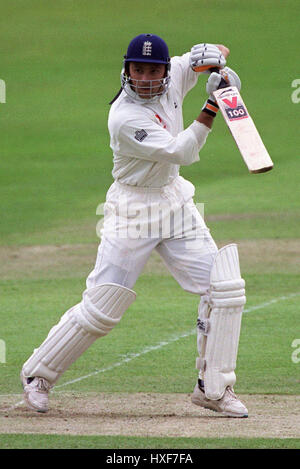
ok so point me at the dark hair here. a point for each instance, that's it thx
(117, 95)
(126, 67)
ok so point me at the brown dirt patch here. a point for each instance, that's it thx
(269, 255)
(148, 414)
(47, 261)
(77, 260)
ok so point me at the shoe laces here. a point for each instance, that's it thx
(230, 394)
(43, 385)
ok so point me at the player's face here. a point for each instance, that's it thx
(147, 78)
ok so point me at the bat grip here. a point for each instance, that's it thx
(223, 83)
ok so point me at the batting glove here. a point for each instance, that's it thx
(206, 56)
(231, 77)
(213, 83)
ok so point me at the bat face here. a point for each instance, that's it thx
(243, 130)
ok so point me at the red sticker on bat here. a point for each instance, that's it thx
(232, 103)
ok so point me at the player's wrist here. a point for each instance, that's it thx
(200, 129)
(210, 107)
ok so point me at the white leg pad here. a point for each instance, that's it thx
(101, 309)
(219, 323)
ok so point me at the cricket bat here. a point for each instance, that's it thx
(243, 129)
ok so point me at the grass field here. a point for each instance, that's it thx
(61, 64)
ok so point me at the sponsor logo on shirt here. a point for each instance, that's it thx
(140, 135)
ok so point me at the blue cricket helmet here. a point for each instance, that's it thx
(147, 48)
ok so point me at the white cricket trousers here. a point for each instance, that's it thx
(138, 220)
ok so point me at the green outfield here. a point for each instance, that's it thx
(61, 62)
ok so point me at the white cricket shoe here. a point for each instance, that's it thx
(229, 404)
(36, 392)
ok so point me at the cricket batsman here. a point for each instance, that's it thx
(149, 206)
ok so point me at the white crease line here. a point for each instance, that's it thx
(132, 356)
(268, 303)
(151, 348)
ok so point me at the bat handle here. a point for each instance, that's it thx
(223, 83)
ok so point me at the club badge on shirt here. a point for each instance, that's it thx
(140, 135)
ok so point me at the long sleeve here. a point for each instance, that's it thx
(186, 78)
(148, 139)
(141, 137)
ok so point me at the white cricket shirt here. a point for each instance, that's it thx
(148, 140)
